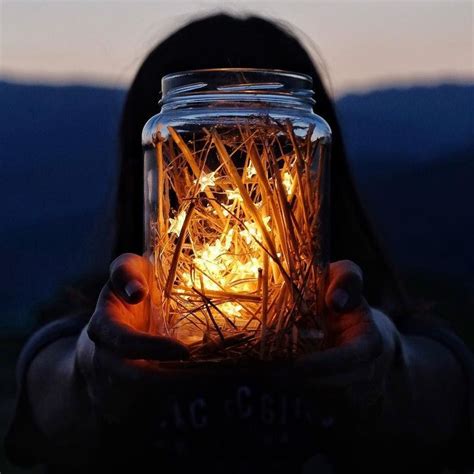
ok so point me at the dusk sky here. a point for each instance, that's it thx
(363, 44)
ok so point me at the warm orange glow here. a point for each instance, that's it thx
(235, 259)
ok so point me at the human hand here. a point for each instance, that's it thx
(361, 344)
(116, 354)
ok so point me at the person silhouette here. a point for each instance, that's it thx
(398, 386)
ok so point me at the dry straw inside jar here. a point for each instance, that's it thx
(237, 255)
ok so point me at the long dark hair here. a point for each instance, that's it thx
(225, 41)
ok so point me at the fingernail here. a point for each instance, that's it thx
(134, 289)
(339, 299)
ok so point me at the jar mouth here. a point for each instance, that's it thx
(237, 84)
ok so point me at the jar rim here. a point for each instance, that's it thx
(279, 72)
(238, 84)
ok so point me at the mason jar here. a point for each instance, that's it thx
(236, 169)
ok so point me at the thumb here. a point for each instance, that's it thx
(129, 276)
(344, 292)
(110, 330)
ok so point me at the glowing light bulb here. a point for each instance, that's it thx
(287, 182)
(176, 224)
(233, 195)
(251, 171)
(206, 180)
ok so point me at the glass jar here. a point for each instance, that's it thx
(237, 213)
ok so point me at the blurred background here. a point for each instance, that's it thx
(401, 74)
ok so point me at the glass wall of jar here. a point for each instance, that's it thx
(236, 213)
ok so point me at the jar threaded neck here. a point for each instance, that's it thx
(236, 86)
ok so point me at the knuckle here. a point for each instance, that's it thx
(97, 326)
(357, 270)
(115, 262)
(122, 261)
(348, 271)
(93, 326)
(350, 266)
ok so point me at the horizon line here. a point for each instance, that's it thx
(77, 81)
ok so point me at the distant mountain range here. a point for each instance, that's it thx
(412, 152)
(411, 149)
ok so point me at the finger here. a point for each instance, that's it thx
(118, 367)
(344, 292)
(364, 348)
(108, 329)
(129, 277)
(343, 328)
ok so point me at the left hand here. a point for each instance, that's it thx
(362, 344)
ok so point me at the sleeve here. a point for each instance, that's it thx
(444, 335)
(24, 440)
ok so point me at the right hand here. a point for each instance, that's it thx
(115, 353)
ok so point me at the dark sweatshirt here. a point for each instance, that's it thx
(252, 420)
